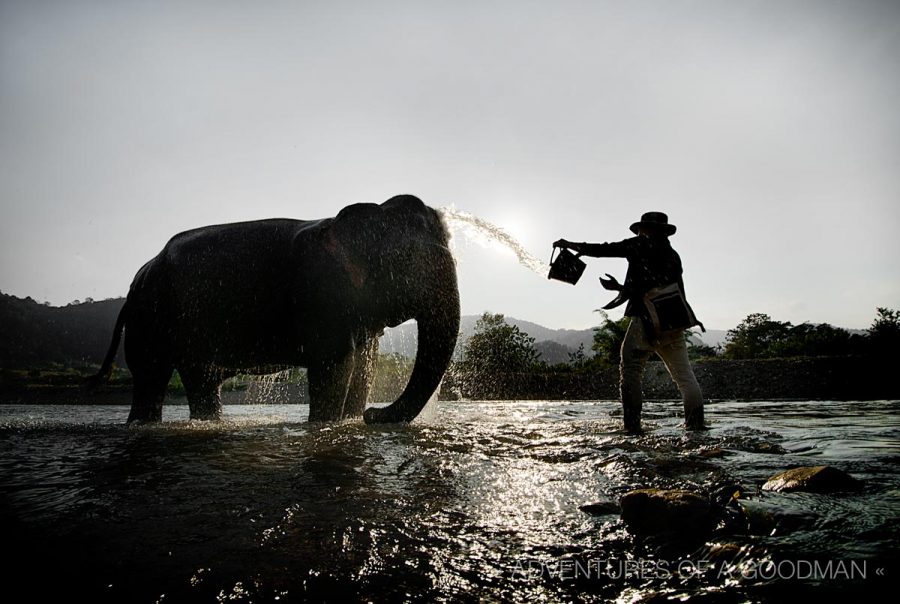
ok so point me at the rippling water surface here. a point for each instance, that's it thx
(480, 500)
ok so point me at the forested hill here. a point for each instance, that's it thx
(37, 335)
(34, 335)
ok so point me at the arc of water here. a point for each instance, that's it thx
(473, 224)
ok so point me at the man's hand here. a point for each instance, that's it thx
(565, 243)
(610, 283)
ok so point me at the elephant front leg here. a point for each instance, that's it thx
(329, 383)
(365, 357)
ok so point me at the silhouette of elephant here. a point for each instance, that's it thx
(258, 297)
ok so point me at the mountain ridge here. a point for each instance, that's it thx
(79, 332)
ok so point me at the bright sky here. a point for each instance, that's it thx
(767, 130)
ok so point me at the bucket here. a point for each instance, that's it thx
(566, 267)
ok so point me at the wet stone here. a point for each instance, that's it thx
(769, 519)
(813, 479)
(649, 512)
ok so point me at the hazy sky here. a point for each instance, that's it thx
(768, 131)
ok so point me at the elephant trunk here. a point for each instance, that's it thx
(438, 324)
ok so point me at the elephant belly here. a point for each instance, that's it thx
(239, 346)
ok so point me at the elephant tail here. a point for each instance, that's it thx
(102, 376)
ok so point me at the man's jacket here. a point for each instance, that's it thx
(651, 263)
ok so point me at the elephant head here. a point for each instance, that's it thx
(398, 265)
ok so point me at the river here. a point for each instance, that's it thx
(474, 501)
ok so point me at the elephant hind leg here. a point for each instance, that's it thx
(149, 393)
(203, 387)
(365, 356)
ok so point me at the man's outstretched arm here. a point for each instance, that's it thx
(616, 249)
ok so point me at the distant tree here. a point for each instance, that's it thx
(755, 337)
(808, 340)
(884, 334)
(761, 337)
(578, 359)
(608, 339)
(498, 347)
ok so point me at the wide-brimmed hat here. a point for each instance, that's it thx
(655, 220)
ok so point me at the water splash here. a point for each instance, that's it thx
(270, 388)
(485, 232)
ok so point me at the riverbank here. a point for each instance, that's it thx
(832, 378)
(825, 378)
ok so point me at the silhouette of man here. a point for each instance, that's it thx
(652, 265)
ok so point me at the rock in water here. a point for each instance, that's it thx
(768, 519)
(649, 512)
(814, 479)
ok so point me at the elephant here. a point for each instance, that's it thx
(261, 296)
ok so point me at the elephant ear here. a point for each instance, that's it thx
(353, 238)
(364, 237)
(413, 219)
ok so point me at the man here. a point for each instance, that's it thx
(653, 267)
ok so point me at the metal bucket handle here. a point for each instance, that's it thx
(553, 253)
(559, 247)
